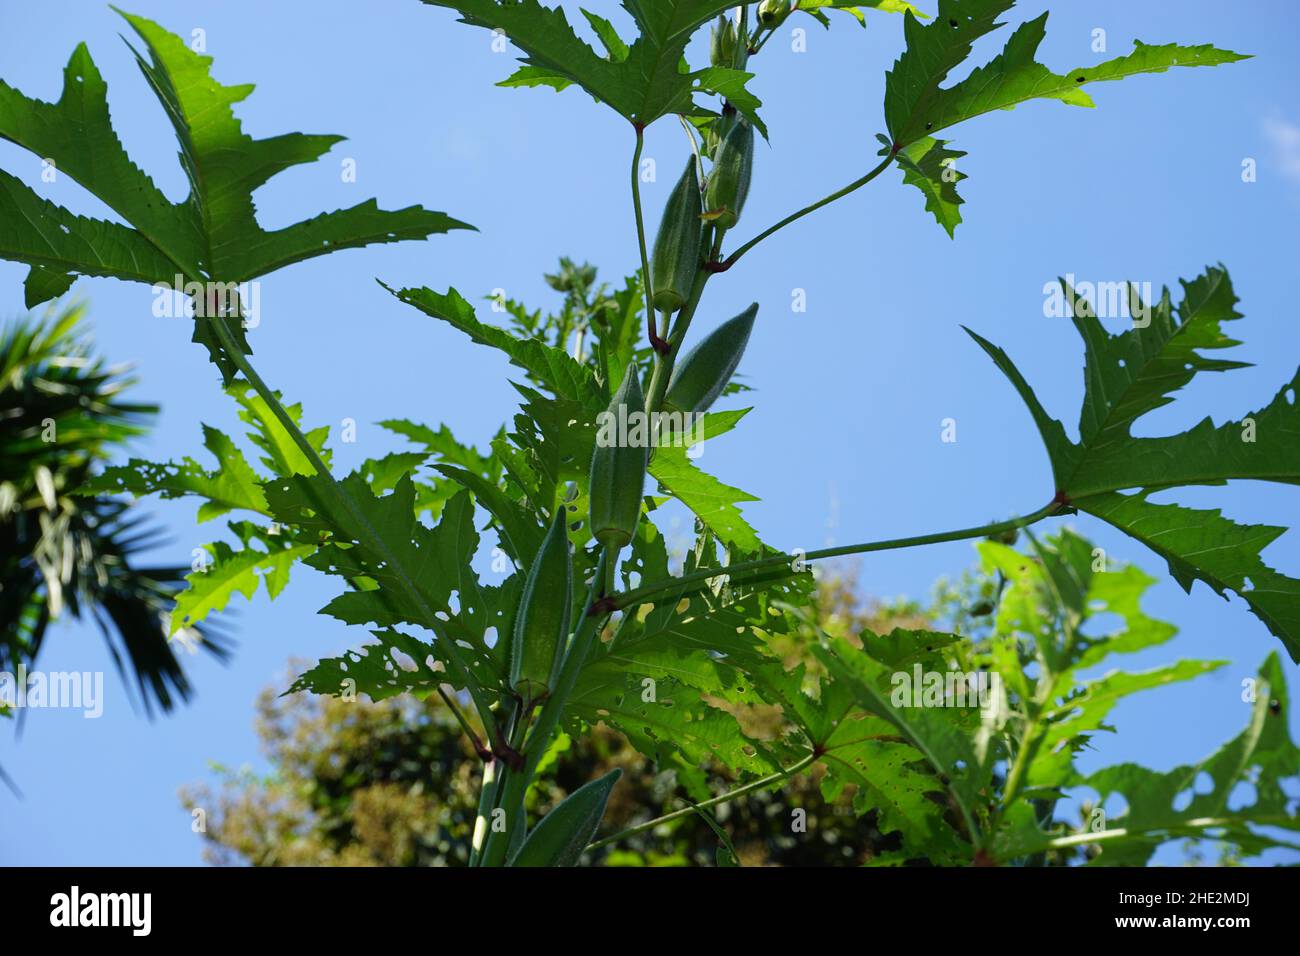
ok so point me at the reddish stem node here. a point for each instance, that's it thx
(511, 757)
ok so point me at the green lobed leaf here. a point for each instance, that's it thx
(713, 502)
(1131, 373)
(1252, 780)
(237, 572)
(930, 166)
(401, 571)
(212, 236)
(916, 104)
(642, 81)
(550, 366)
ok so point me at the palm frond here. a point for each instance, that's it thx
(63, 555)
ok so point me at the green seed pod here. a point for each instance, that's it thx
(542, 624)
(677, 246)
(729, 180)
(699, 378)
(772, 13)
(565, 832)
(619, 463)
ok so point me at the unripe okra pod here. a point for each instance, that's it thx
(676, 255)
(618, 466)
(562, 835)
(542, 622)
(704, 372)
(733, 166)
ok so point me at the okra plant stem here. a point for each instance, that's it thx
(663, 367)
(647, 285)
(487, 801)
(450, 701)
(751, 787)
(374, 540)
(732, 259)
(695, 145)
(698, 580)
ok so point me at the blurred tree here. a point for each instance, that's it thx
(65, 555)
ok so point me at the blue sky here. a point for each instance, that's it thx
(844, 443)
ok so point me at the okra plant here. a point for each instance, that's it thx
(596, 622)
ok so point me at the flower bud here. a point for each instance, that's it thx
(772, 13)
(722, 41)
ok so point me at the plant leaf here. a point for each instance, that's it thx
(1131, 373)
(211, 237)
(642, 82)
(549, 366)
(233, 572)
(561, 836)
(1247, 791)
(930, 166)
(916, 104)
(713, 502)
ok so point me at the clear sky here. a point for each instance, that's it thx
(844, 443)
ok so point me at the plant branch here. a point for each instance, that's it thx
(687, 583)
(751, 787)
(656, 342)
(487, 801)
(695, 145)
(483, 752)
(663, 368)
(375, 540)
(732, 259)
(1184, 828)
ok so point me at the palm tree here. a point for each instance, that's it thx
(66, 555)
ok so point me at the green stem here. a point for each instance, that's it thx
(460, 719)
(1025, 754)
(374, 540)
(686, 583)
(663, 367)
(487, 801)
(1189, 828)
(695, 145)
(793, 217)
(760, 784)
(640, 234)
